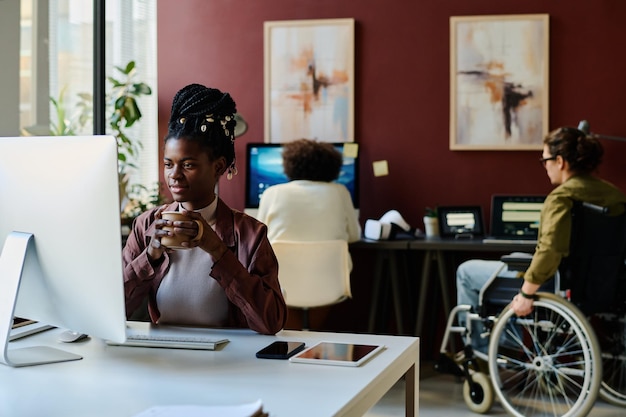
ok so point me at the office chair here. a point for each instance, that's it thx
(313, 273)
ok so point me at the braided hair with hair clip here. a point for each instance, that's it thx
(207, 116)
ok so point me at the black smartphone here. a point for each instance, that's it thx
(280, 350)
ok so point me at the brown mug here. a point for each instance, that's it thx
(175, 241)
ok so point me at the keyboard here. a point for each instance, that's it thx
(28, 328)
(169, 337)
(510, 241)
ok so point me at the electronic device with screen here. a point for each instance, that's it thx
(61, 261)
(515, 218)
(336, 353)
(264, 168)
(280, 349)
(460, 221)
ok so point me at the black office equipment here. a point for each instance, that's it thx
(461, 222)
(515, 218)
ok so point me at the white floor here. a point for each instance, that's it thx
(442, 396)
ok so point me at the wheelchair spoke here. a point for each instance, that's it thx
(541, 363)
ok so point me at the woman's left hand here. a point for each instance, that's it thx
(209, 242)
(522, 306)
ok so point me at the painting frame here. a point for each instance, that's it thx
(309, 80)
(499, 82)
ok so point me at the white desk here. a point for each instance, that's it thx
(123, 381)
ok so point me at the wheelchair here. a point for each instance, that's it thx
(570, 349)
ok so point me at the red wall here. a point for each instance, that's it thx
(402, 101)
(402, 88)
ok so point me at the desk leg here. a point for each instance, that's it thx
(395, 288)
(411, 391)
(391, 258)
(380, 259)
(428, 256)
(443, 281)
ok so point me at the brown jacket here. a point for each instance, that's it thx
(248, 272)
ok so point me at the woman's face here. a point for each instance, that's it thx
(190, 174)
(553, 165)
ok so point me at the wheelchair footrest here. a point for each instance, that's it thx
(446, 365)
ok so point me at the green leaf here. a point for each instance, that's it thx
(115, 82)
(431, 212)
(132, 112)
(129, 67)
(85, 97)
(120, 103)
(141, 89)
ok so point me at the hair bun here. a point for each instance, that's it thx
(195, 105)
(198, 100)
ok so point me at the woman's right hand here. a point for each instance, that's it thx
(155, 250)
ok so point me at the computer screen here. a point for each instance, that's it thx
(61, 196)
(516, 215)
(460, 221)
(264, 165)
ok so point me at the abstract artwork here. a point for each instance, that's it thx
(498, 82)
(309, 80)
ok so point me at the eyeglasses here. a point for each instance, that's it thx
(543, 160)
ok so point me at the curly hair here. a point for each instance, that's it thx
(583, 152)
(207, 116)
(306, 159)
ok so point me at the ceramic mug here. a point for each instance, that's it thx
(175, 241)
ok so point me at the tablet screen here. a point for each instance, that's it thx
(333, 353)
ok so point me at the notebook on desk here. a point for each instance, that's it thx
(515, 219)
(142, 334)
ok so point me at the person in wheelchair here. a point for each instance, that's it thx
(570, 158)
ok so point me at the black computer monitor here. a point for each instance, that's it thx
(61, 253)
(264, 163)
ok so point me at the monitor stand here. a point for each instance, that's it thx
(12, 259)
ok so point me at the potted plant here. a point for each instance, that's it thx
(431, 222)
(123, 113)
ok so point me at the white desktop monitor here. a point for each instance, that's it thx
(61, 197)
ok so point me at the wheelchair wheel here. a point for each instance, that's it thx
(547, 363)
(478, 394)
(611, 332)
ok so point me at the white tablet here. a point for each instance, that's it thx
(335, 353)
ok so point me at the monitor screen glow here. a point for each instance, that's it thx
(264, 168)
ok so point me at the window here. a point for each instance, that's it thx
(57, 61)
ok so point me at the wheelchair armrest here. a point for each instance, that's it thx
(516, 262)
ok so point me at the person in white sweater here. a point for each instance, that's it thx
(310, 206)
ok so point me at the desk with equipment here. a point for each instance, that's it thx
(125, 381)
(514, 226)
(435, 249)
(391, 263)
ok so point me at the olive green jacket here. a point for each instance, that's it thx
(555, 224)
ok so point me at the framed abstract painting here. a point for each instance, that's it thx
(499, 82)
(309, 80)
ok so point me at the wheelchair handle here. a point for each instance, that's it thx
(596, 208)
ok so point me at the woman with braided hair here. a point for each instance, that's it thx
(229, 276)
